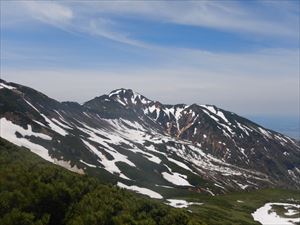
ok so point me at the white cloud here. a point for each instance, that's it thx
(95, 17)
(49, 12)
(27, 14)
(103, 27)
(225, 15)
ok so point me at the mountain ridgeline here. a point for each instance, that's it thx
(152, 148)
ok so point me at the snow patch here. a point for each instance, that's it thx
(2, 85)
(8, 131)
(109, 165)
(265, 216)
(61, 124)
(144, 191)
(182, 165)
(54, 127)
(88, 164)
(178, 203)
(176, 178)
(264, 132)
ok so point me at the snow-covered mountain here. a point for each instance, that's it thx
(152, 148)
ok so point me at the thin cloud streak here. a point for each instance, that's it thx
(102, 27)
(51, 12)
(224, 15)
(228, 16)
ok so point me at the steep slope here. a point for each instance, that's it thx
(156, 149)
(33, 191)
(224, 134)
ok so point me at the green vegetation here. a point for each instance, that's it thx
(236, 208)
(33, 191)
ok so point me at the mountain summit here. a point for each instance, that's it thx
(136, 143)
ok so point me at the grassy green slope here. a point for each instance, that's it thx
(236, 208)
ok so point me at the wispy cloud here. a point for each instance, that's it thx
(68, 18)
(97, 18)
(104, 28)
(225, 15)
(171, 74)
(49, 12)
(14, 13)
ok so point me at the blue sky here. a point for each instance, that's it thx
(242, 56)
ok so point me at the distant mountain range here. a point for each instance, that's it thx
(149, 147)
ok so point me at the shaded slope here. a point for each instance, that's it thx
(36, 192)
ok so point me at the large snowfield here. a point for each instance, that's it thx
(266, 216)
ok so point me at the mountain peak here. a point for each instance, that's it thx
(119, 91)
(128, 96)
(125, 134)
